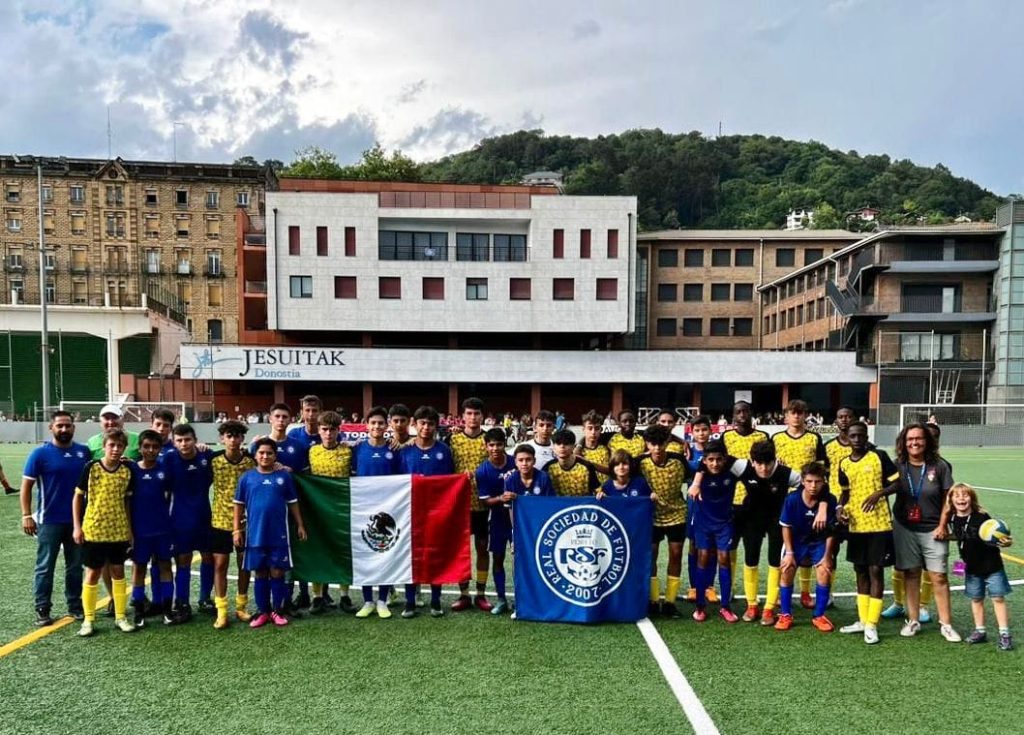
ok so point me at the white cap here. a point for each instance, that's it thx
(111, 408)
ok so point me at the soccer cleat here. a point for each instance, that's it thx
(691, 595)
(924, 615)
(949, 633)
(712, 596)
(751, 614)
(243, 616)
(855, 627)
(303, 603)
(482, 603)
(768, 617)
(806, 601)
(409, 612)
(86, 630)
(346, 605)
(823, 624)
(653, 609)
(1005, 642)
(169, 618)
(728, 615)
(700, 615)
(260, 620)
(43, 618)
(382, 610)
(220, 623)
(183, 613)
(77, 613)
(436, 611)
(206, 607)
(278, 619)
(894, 611)
(501, 608)
(123, 625)
(328, 600)
(910, 629)
(463, 603)
(977, 636)
(366, 610)
(319, 607)
(669, 610)
(785, 622)
(139, 617)
(870, 634)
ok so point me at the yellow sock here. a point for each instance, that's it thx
(805, 580)
(222, 607)
(318, 589)
(241, 602)
(899, 590)
(343, 587)
(927, 593)
(862, 608)
(771, 593)
(481, 576)
(874, 610)
(90, 594)
(671, 589)
(655, 589)
(120, 595)
(751, 581)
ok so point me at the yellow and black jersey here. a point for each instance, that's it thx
(738, 445)
(796, 451)
(106, 493)
(861, 478)
(578, 480)
(634, 445)
(836, 452)
(336, 462)
(225, 480)
(468, 453)
(599, 455)
(668, 482)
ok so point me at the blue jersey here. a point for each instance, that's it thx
(371, 461)
(292, 453)
(696, 456)
(800, 519)
(190, 481)
(167, 448)
(636, 488)
(150, 502)
(55, 471)
(434, 461)
(714, 509)
(299, 434)
(490, 480)
(541, 484)
(266, 497)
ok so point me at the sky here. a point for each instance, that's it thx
(213, 80)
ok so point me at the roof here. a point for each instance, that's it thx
(55, 166)
(350, 186)
(748, 235)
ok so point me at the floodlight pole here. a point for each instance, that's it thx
(44, 352)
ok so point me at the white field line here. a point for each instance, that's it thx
(999, 489)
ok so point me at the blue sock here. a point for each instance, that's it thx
(821, 593)
(138, 592)
(166, 593)
(410, 595)
(262, 588)
(712, 567)
(278, 591)
(499, 580)
(691, 569)
(725, 582)
(154, 583)
(182, 584)
(367, 593)
(205, 581)
(703, 575)
(786, 599)
(384, 591)
(435, 595)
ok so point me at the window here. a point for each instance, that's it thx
(50, 261)
(344, 287)
(667, 292)
(921, 347)
(12, 193)
(212, 199)
(152, 226)
(185, 292)
(215, 328)
(721, 258)
(242, 199)
(153, 262)
(294, 245)
(607, 289)
(472, 246)
(79, 292)
(930, 299)
(78, 223)
(510, 248)
(785, 258)
(558, 244)
(584, 244)
(115, 195)
(402, 245)
(79, 260)
(215, 294)
(668, 258)
(720, 291)
(182, 225)
(184, 262)
(476, 289)
(350, 242)
(743, 292)
(719, 327)
(742, 327)
(693, 292)
(564, 289)
(389, 287)
(693, 327)
(13, 220)
(519, 289)
(813, 255)
(694, 258)
(76, 194)
(51, 292)
(115, 224)
(47, 193)
(48, 222)
(300, 287)
(613, 244)
(214, 263)
(213, 227)
(744, 257)
(181, 198)
(151, 198)
(14, 259)
(665, 328)
(433, 289)
(321, 240)
(17, 291)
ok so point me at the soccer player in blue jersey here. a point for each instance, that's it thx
(309, 430)
(490, 485)
(712, 491)
(700, 432)
(266, 497)
(805, 546)
(55, 467)
(151, 528)
(425, 456)
(527, 480)
(190, 475)
(624, 483)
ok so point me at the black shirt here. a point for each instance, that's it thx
(981, 559)
(932, 482)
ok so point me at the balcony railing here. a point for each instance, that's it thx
(257, 287)
(256, 240)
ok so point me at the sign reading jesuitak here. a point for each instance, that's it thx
(206, 362)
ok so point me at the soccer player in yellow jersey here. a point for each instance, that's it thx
(228, 466)
(330, 458)
(667, 475)
(102, 525)
(738, 441)
(836, 450)
(863, 477)
(795, 447)
(570, 475)
(626, 437)
(592, 449)
(469, 450)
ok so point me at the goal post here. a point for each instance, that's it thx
(135, 412)
(970, 424)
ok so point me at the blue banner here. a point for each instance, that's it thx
(582, 560)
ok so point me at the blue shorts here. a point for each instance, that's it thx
(691, 520)
(499, 539)
(267, 557)
(809, 553)
(718, 537)
(996, 583)
(187, 540)
(145, 548)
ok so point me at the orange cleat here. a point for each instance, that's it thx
(768, 617)
(712, 595)
(691, 595)
(823, 624)
(751, 614)
(785, 622)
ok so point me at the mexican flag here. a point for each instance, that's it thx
(393, 529)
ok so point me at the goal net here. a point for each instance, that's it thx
(135, 412)
(970, 424)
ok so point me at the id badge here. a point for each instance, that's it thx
(914, 514)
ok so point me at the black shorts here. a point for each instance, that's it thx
(479, 523)
(873, 549)
(97, 554)
(675, 534)
(219, 541)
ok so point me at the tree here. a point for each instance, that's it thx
(245, 161)
(376, 165)
(826, 217)
(313, 162)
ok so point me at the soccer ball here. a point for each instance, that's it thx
(993, 531)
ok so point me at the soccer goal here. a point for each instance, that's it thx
(970, 424)
(135, 412)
